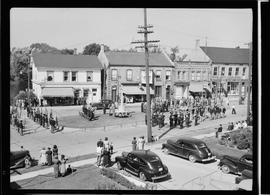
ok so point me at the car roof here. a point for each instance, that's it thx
(144, 154)
(187, 139)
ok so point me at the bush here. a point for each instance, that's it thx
(120, 179)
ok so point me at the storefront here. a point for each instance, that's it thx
(136, 93)
(58, 96)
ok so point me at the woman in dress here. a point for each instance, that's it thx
(55, 150)
(43, 160)
(63, 165)
(56, 164)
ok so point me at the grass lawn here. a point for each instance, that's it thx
(220, 150)
(85, 177)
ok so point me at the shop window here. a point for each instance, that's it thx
(85, 92)
(222, 71)
(236, 71)
(114, 74)
(89, 76)
(66, 76)
(215, 71)
(233, 88)
(158, 75)
(230, 71)
(49, 75)
(168, 75)
(129, 75)
(73, 76)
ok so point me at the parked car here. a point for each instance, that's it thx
(99, 105)
(190, 148)
(229, 164)
(143, 163)
(245, 174)
(20, 159)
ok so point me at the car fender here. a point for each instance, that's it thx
(169, 147)
(230, 164)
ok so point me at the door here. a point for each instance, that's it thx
(114, 95)
(180, 146)
(187, 149)
(132, 163)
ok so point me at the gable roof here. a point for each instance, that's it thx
(137, 59)
(227, 55)
(48, 60)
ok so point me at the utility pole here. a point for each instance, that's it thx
(145, 31)
(249, 78)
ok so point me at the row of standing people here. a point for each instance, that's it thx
(138, 144)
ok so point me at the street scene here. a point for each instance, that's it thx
(156, 108)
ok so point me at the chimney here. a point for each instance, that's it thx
(75, 51)
(197, 44)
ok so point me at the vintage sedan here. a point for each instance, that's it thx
(190, 148)
(100, 105)
(229, 164)
(20, 159)
(144, 164)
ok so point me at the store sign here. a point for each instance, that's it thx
(143, 77)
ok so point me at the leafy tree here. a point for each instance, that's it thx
(174, 50)
(44, 48)
(94, 49)
(67, 51)
(22, 95)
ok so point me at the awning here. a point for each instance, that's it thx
(136, 90)
(196, 87)
(57, 92)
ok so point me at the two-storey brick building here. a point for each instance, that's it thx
(229, 70)
(63, 79)
(126, 70)
(192, 75)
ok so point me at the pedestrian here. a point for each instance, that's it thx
(63, 165)
(244, 124)
(143, 142)
(100, 143)
(233, 110)
(104, 108)
(99, 153)
(55, 150)
(139, 143)
(69, 170)
(56, 164)
(219, 130)
(224, 111)
(106, 144)
(105, 158)
(43, 160)
(134, 144)
(49, 156)
(111, 148)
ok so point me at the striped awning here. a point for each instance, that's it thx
(57, 92)
(136, 90)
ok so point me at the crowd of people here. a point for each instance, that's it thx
(138, 144)
(104, 152)
(233, 126)
(186, 110)
(16, 119)
(49, 157)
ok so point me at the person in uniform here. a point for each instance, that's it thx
(196, 117)
(171, 120)
(175, 119)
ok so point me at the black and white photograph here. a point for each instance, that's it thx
(131, 99)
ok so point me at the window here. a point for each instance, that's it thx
(168, 75)
(89, 76)
(49, 75)
(114, 74)
(230, 71)
(158, 75)
(94, 91)
(193, 75)
(179, 75)
(198, 76)
(222, 71)
(204, 75)
(66, 75)
(215, 71)
(129, 75)
(184, 75)
(233, 88)
(244, 71)
(236, 71)
(73, 76)
(85, 92)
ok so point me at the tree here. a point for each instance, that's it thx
(174, 50)
(94, 49)
(67, 51)
(156, 50)
(44, 48)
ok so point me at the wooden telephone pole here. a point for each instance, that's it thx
(249, 77)
(145, 31)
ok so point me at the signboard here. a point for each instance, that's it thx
(143, 77)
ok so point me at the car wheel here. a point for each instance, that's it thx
(192, 158)
(166, 151)
(27, 163)
(225, 169)
(119, 166)
(142, 176)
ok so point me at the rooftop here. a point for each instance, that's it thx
(48, 60)
(227, 55)
(137, 59)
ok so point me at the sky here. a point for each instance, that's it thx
(117, 27)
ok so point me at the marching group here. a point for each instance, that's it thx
(183, 111)
(50, 157)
